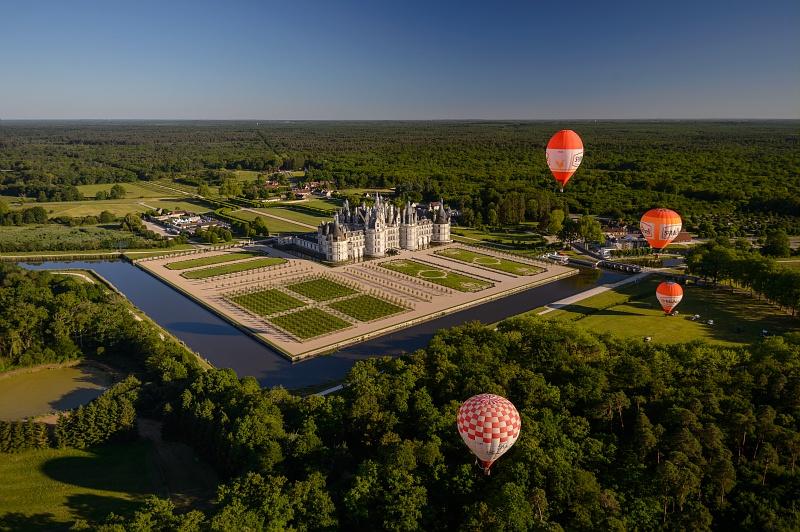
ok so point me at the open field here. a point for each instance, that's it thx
(235, 267)
(297, 213)
(328, 205)
(208, 261)
(308, 323)
(119, 207)
(321, 289)
(41, 391)
(789, 264)
(132, 190)
(450, 279)
(366, 308)
(274, 226)
(489, 261)
(61, 485)
(375, 299)
(267, 302)
(632, 310)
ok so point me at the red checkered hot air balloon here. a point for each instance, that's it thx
(669, 294)
(489, 425)
(564, 155)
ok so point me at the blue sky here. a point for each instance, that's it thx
(399, 59)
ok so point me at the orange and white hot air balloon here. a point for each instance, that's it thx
(489, 425)
(660, 227)
(564, 155)
(669, 294)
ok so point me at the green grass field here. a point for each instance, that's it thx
(274, 226)
(119, 207)
(53, 487)
(321, 289)
(450, 279)
(366, 308)
(789, 264)
(297, 214)
(208, 261)
(309, 323)
(329, 205)
(488, 261)
(518, 240)
(132, 190)
(52, 238)
(239, 266)
(632, 310)
(267, 302)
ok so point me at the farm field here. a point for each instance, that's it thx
(489, 261)
(366, 308)
(132, 190)
(239, 266)
(207, 261)
(309, 323)
(267, 302)
(440, 276)
(61, 485)
(321, 289)
(632, 310)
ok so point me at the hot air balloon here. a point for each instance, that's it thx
(669, 294)
(660, 227)
(489, 425)
(564, 155)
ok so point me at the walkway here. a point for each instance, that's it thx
(561, 303)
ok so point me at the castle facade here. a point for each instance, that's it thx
(373, 231)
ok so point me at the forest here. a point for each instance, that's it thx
(616, 434)
(727, 178)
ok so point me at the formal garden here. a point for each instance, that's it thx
(366, 308)
(236, 267)
(490, 261)
(309, 323)
(266, 302)
(209, 260)
(440, 276)
(321, 289)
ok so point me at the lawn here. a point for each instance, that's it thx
(329, 205)
(118, 207)
(208, 261)
(519, 240)
(132, 190)
(450, 279)
(297, 213)
(789, 264)
(321, 289)
(274, 226)
(53, 487)
(366, 308)
(267, 302)
(239, 266)
(309, 323)
(488, 261)
(632, 310)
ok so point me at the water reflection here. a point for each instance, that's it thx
(225, 346)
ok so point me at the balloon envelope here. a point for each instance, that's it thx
(489, 425)
(660, 227)
(669, 294)
(564, 155)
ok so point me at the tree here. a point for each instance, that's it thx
(777, 244)
(590, 230)
(3, 208)
(492, 218)
(260, 226)
(230, 188)
(556, 223)
(101, 195)
(107, 217)
(117, 192)
(204, 190)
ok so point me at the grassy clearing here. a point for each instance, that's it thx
(321, 289)
(297, 214)
(207, 261)
(450, 279)
(632, 310)
(366, 308)
(329, 205)
(240, 266)
(267, 302)
(309, 323)
(489, 261)
(132, 190)
(790, 264)
(274, 226)
(58, 486)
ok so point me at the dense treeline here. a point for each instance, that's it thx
(725, 178)
(720, 260)
(16, 436)
(616, 434)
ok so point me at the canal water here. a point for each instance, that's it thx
(225, 346)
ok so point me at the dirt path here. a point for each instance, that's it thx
(77, 274)
(182, 475)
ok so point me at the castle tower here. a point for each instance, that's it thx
(441, 225)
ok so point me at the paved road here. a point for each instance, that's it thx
(561, 303)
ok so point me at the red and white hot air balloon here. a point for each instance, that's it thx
(660, 227)
(669, 294)
(564, 155)
(489, 425)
